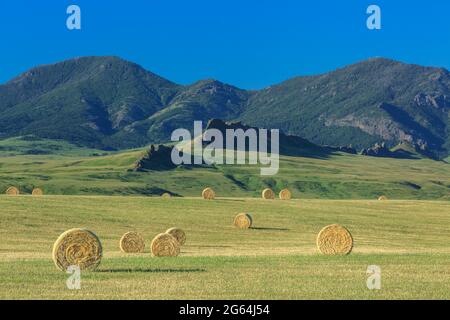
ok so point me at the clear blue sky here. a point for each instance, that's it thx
(247, 43)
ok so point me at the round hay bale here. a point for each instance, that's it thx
(79, 247)
(37, 192)
(166, 195)
(12, 191)
(334, 239)
(268, 194)
(382, 198)
(165, 245)
(243, 221)
(208, 194)
(285, 194)
(132, 242)
(178, 234)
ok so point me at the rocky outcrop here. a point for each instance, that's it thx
(401, 151)
(156, 158)
(378, 150)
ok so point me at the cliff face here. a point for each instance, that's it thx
(156, 158)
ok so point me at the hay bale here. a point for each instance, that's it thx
(166, 195)
(268, 194)
(132, 242)
(334, 239)
(382, 198)
(165, 245)
(79, 247)
(208, 194)
(37, 192)
(178, 234)
(285, 194)
(243, 221)
(12, 191)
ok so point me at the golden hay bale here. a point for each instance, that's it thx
(37, 192)
(166, 195)
(268, 194)
(79, 247)
(208, 194)
(334, 239)
(285, 194)
(12, 191)
(165, 245)
(381, 198)
(132, 242)
(178, 234)
(243, 221)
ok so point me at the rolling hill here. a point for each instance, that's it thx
(109, 103)
(66, 170)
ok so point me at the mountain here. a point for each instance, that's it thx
(289, 145)
(110, 103)
(368, 102)
(86, 100)
(158, 157)
(106, 102)
(203, 101)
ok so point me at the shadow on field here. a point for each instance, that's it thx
(149, 270)
(269, 229)
(230, 200)
(212, 246)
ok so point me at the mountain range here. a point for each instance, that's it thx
(110, 103)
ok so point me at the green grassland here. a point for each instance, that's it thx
(61, 168)
(277, 259)
(407, 236)
(31, 145)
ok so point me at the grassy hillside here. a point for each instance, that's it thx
(86, 100)
(107, 102)
(334, 176)
(110, 103)
(277, 259)
(31, 145)
(370, 101)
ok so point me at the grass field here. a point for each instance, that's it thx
(407, 236)
(339, 176)
(277, 259)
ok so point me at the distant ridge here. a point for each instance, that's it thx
(110, 103)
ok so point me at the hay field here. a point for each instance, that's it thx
(276, 259)
(339, 176)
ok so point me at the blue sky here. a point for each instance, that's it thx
(247, 43)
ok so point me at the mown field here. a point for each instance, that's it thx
(277, 259)
(63, 169)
